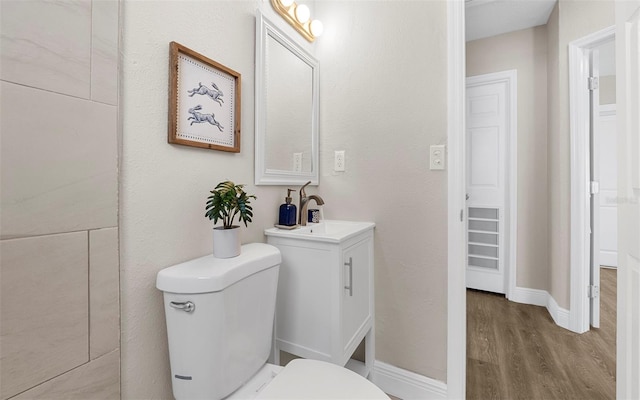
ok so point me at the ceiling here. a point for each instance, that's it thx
(485, 18)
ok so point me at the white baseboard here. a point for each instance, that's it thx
(560, 315)
(542, 298)
(536, 297)
(406, 384)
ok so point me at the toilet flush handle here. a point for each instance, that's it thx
(185, 306)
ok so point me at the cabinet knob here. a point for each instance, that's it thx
(350, 265)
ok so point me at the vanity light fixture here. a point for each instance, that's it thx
(316, 27)
(299, 16)
(303, 13)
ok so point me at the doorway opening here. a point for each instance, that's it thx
(491, 181)
(586, 196)
(628, 68)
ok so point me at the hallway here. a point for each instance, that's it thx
(516, 351)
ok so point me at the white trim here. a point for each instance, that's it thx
(510, 78)
(579, 112)
(406, 384)
(542, 298)
(535, 297)
(561, 316)
(628, 313)
(456, 249)
(265, 28)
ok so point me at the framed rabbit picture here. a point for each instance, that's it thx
(204, 101)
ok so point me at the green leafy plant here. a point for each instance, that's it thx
(228, 200)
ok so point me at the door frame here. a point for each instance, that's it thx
(510, 78)
(628, 105)
(456, 220)
(579, 113)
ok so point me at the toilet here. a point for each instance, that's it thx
(220, 316)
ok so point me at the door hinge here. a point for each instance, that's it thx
(594, 291)
(461, 215)
(594, 83)
(594, 187)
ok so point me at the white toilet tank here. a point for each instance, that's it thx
(219, 316)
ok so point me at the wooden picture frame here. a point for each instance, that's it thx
(204, 101)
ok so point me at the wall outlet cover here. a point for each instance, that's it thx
(437, 157)
(297, 162)
(339, 161)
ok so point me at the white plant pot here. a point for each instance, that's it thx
(226, 242)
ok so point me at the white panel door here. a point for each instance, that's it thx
(486, 185)
(628, 110)
(607, 143)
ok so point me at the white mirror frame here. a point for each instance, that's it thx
(264, 176)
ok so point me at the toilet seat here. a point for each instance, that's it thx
(312, 379)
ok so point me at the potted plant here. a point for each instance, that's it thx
(227, 201)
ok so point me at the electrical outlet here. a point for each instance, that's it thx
(338, 161)
(437, 157)
(297, 162)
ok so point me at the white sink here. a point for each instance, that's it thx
(326, 231)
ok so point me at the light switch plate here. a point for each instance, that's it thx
(437, 157)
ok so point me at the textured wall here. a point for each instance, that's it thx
(526, 52)
(164, 187)
(383, 101)
(59, 289)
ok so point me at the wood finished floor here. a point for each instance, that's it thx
(516, 351)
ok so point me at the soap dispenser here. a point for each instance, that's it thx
(288, 212)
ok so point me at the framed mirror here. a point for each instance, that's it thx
(287, 104)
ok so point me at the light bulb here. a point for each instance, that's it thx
(286, 3)
(316, 27)
(302, 13)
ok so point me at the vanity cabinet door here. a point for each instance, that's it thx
(356, 293)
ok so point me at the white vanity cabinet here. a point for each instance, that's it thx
(325, 303)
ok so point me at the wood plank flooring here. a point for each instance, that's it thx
(516, 351)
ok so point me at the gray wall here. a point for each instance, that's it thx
(608, 89)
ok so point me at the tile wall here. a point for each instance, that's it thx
(59, 260)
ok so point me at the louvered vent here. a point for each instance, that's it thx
(484, 240)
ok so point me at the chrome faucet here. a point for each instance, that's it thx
(304, 204)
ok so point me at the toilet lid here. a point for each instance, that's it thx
(312, 379)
